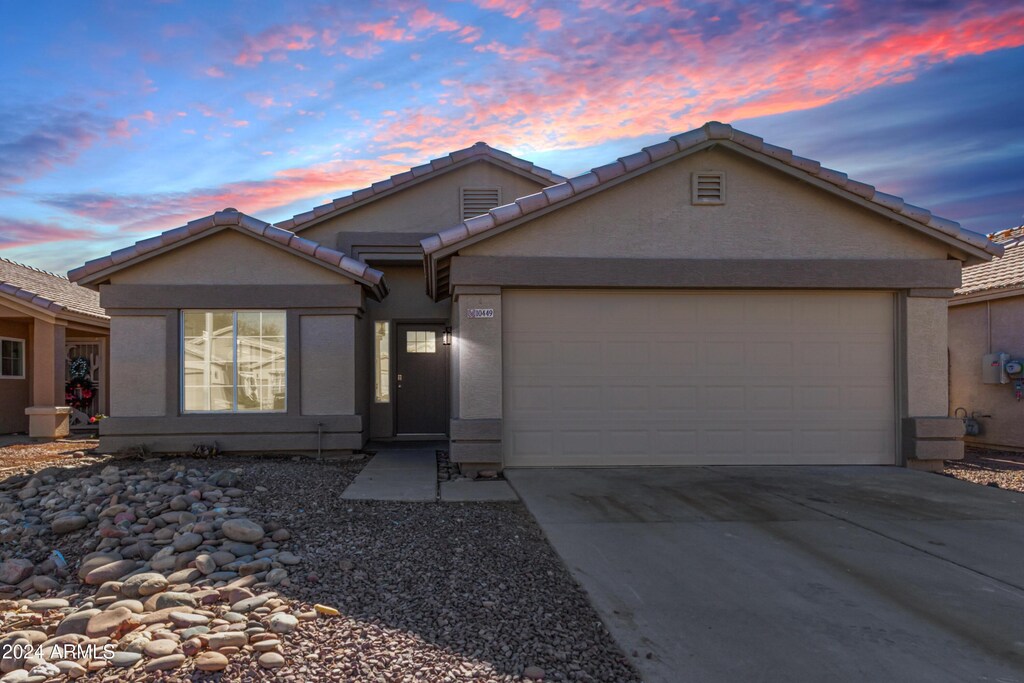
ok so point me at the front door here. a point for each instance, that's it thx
(421, 379)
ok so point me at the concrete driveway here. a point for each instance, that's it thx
(793, 573)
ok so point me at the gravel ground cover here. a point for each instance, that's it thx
(20, 454)
(423, 592)
(1004, 469)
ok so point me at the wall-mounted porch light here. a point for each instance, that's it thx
(446, 336)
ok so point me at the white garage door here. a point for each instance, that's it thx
(667, 378)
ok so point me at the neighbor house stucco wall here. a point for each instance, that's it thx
(15, 393)
(766, 214)
(425, 207)
(227, 258)
(976, 329)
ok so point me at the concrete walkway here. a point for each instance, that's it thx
(407, 475)
(793, 574)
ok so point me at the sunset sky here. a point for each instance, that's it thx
(123, 119)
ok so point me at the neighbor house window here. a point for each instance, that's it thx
(12, 358)
(233, 361)
(382, 362)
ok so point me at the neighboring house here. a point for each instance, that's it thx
(49, 327)
(711, 299)
(987, 317)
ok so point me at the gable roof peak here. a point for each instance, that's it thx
(416, 174)
(233, 218)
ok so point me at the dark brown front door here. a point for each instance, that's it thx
(421, 379)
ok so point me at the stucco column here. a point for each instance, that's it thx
(929, 434)
(48, 417)
(477, 373)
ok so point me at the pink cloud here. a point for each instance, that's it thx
(215, 72)
(154, 211)
(16, 232)
(565, 88)
(423, 19)
(549, 19)
(277, 39)
(387, 30)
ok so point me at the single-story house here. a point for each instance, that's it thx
(986, 332)
(712, 299)
(54, 353)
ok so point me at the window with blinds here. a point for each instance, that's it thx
(478, 200)
(709, 187)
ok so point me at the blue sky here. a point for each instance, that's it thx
(124, 119)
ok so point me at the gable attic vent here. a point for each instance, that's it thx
(708, 187)
(478, 200)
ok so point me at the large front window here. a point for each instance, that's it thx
(233, 361)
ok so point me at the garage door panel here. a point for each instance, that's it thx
(628, 377)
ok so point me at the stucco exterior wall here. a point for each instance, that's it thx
(767, 214)
(227, 258)
(926, 364)
(328, 364)
(975, 330)
(427, 207)
(138, 370)
(15, 393)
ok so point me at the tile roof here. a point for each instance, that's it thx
(1001, 273)
(48, 291)
(480, 150)
(710, 132)
(232, 218)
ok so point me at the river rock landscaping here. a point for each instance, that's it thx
(247, 569)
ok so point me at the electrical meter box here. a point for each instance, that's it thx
(993, 368)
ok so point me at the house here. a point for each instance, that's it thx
(709, 299)
(54, 358)
(986, 331)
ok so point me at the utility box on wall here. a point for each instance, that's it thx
(993, 368)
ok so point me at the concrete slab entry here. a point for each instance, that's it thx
(468, 491)
(407, 475)
(801, 573)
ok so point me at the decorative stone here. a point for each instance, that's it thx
(228, 639)
(123, 658)
(211, 661)
(159, 648)
(534, 672)
(283, 623)
(165, 663)
(171, 599)
(206, 564)
(142, 585)
(76, 623)
(243, 530)
(187, 541)
(110, 572)
(48, 604)
(65, 525)
(15, 571)
(108, 623)
(271, 660)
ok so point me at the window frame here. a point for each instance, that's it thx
(24, 359)
(234, 361)
(381, 390)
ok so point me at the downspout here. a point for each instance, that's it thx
(319, 439)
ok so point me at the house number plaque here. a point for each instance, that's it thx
(480, 313)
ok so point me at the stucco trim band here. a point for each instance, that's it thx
(217, 296)
(705, 273)
(933, 438)
(261, 423)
